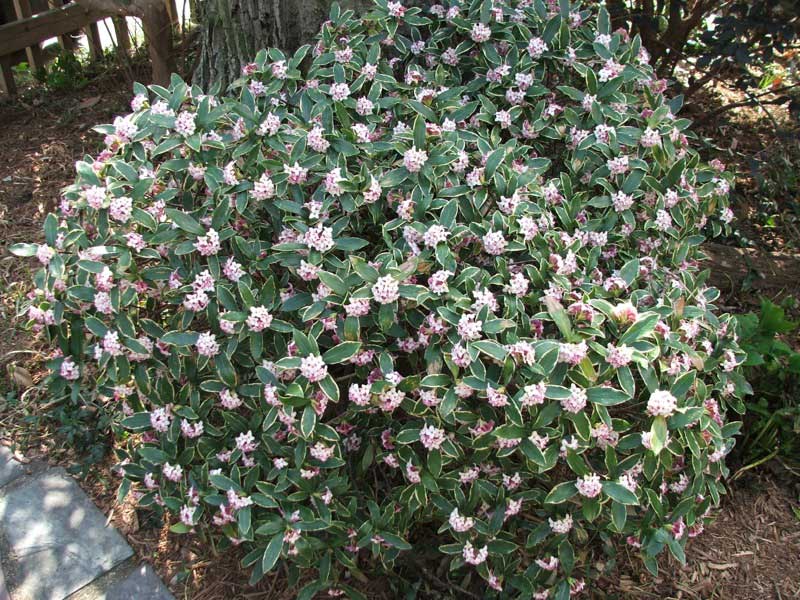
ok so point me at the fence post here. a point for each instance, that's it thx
(172, 11)
(93, 38)
(67, 41)
(35, 58)
(7, 84)
(123, 35)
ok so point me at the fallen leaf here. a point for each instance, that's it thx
(89, 102)
(21, 376)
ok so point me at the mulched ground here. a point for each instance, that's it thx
(751, 551)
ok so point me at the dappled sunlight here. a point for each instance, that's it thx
(51, 528)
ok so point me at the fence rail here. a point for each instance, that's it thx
(32, 30)
(29, 30)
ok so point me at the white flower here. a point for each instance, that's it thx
(589, 485)
(386, 290)
(313, 368)
(414, 159)
(431, 437)
(661, 404)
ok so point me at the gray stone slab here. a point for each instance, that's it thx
(3, 591)
(10, 469)
(126, 582)
(55, 540)
(142, 583)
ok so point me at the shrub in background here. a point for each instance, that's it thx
(427, 290)
(773, 367)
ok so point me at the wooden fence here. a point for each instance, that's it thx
(29, 30)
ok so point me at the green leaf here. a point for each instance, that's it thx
(224, 483)
(643, 327)
(632, 181)
(407, 436)
(225, 370)
(683, 384)
(364, 270)
(341, 352)
(658, 438)
(423, 110)
(630, 270)
(395, 541)
(137, 422)
(566, 556)
(509, 432)
(334, 282)
(386, 315)
(185, 222)
(350, 244)
(437, 380)
(532, 452)
(96, 326)
(498, 546)
(619, 514)
(308, 422)
(603, 21)
(491, 348)
(606, 396)
(686, 416)
(561, 493)
(329, 388)
(560, 317)
(50, 229)
(494, 160)
(153, 455)
(271, 553)
(180, 338)
(419, 132)
(619, 493)
(180, 528)
(244, 517)
(23, 250)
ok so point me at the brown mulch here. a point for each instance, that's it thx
(750, 552)
(750, 140)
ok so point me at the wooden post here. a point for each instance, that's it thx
(66, 40)
(34, 52)
(123, 35)
(172, 11)
(7, 84)
(93, 38)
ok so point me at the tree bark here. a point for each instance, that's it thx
(157, 26)
(233, 31)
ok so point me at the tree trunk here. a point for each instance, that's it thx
(233, 31)
(157, 26)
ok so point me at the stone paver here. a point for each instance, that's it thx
(142, 583)
(10, 469)
(55, 540)
(126, 582)
(3, 592)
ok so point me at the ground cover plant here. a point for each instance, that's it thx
(428, 288)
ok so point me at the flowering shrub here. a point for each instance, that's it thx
(438, 286)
